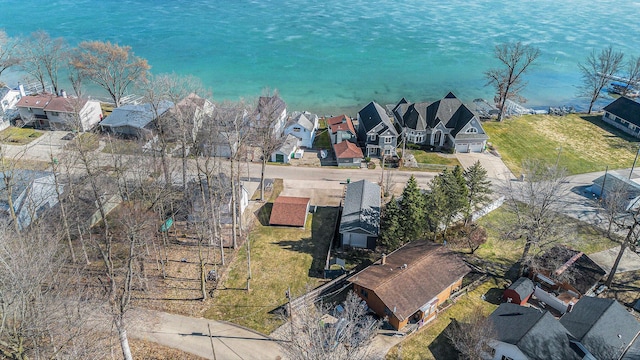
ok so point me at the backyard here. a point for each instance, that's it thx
(281, 257)
(581, 143)
(18, 136)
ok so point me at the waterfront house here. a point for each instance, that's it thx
(446, 123)
(189, 113)
(302, 125)
(59, 112)
(360, 221)
(376, 134)
(289, 211)
(348, 154)
(624, 114)
(408, 285)
(275, 111)
(135, 120)
(8, 100)
(340, 129)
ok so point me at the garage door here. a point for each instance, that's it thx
(279, 158)
(462, 148)
(355, 240)
(476, 147)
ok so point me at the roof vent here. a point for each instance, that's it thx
(404, 266)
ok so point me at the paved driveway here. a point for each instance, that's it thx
(191, 335)
(496, 169)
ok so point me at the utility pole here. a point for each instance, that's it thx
(634, 163)
(288, 293)
(211, 340)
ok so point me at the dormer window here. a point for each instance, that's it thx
(372, 137)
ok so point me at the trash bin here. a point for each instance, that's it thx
(348, 180)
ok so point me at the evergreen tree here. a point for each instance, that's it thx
(448, 197)
(390, 230)
(478, 189)
(412, 209)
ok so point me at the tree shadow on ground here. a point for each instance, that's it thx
(597, 121)
(264, 213)
(322, 230)
(494, 296)
(441, 347)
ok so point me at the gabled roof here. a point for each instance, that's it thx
(626, 109)
(272, 104)
(65, 104)
(430, 269)
(289, 211)
(535, 332)
(341, 123)
(582, 272)
(523, 287)
(603, 326)
(361, 209)
(372, 115)
(289, 145)
(451, 112)
(34, 101)
(412, 116)
(137, 116)
(347, 150)
(304, 120)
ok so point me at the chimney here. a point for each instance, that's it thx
(384, 259)
(63, 93)
(21, 88)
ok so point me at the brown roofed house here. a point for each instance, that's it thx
(289, 211)
(409, 284)
(348, 154)
(341, 129)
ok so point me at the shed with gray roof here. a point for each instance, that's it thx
(360, 221)
(135, 120)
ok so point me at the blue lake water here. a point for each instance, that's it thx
(332, 56)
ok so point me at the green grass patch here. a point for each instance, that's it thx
(124, 147)
(584, 143)
(430, 342)
(322, 140)
(88, 142)
(425, 157)
(19, 136)
(280, 258)
(107, 109)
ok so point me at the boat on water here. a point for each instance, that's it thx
(620, 88)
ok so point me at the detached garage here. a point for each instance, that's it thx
(360, 221)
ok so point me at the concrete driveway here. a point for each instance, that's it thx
(322, 193)
(191, 335)
(496, 169)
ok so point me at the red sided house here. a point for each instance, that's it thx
(289, 211)
(409, 284)
(519, 292)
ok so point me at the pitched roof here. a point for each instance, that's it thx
(347, 150)
(272, 104)
(430, 269)
(582, 272)
(625, 108)
(137, 116)
(289, 145)
(451, 112)
(361, 209)
(38, 101)
(603, 326)
(341, 123)
(304, 120)
(523, 287)
(372, 115)
(289, 211)
(65, 104)
(535, 332)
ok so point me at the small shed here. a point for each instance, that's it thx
(519, 292)
(289, 211)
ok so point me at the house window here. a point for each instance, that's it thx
(388, 140)
(296, 129)
(372, 137)
(472, 130)
(387, 151)
(54, 113)
(364, 293)
(30, 109)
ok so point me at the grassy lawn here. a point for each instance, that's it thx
(280, 257)
(322, 140)
(124, 147)
(585, 143)
(19, 136)
(430, 342)
(587, 238)
(88, 141)
(425, 157)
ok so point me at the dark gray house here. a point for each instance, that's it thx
(376, 134)
(624, 114)
(446, 123)
(360, 221)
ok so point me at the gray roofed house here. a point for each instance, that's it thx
(446, 123)
(135, 120)
(286, 151)
(32, 193)
(302, 125)
(624, 114)
(376, 132)
(527, 333)
(360, 221)
(603, 326)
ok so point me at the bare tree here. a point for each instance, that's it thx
(471, 335)
(515, 59)
(114, 68)
(316, 338)
(632, 74)
(632, 239)
(8, 52)
(42, 57)
(596, 71)
(536, 202)
(265, 137)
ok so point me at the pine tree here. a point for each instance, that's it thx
(412, 211)
(478, 189)
(448, 197)
(390, 230)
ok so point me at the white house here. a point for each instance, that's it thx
(59, 112)
(287, 151)
(8, 100)
(302, 125)
(272, 107)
